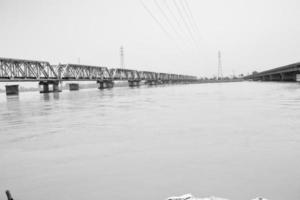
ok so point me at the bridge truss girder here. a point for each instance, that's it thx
(124, 74)
(82, 72)
(28, 70)
(15, 69)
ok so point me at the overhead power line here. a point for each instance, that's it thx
(185, 23)
(167, 18)
(186, 13)
(177, 22)
(175, 28)
(192, 16)
(162, 27)
(155, 19)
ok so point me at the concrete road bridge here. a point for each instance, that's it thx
(17, 70)
(285, 73)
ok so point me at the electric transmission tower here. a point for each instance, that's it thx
(220, 73)
(121, 57)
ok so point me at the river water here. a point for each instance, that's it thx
(232, 140)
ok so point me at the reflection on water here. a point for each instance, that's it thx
(49, 96)
(235, 140)
(46, 96)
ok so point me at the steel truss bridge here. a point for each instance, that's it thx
(17, 70)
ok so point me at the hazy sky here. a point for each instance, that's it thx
(252, 34)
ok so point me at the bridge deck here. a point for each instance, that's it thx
(284, 73)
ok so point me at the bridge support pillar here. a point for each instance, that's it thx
(73, 86)
(266, 78)
(275, 77)
(104, 84)
(49, 86)
(56, 87)
(288, 76)
(151, 82)
(12, 89)
(298, 77)
(44, 87)
(282, 76)
(134, 83)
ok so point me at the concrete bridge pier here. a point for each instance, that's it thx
(160, 82)
(166, 82)
(275, 77)
(134, 83)
(73, 86)
(266, 78)
(148, 82)
(151, 82)
(105, 84)
(12, 89)
(288, 76)
(298, 77)
(49, 86)
(56, 87)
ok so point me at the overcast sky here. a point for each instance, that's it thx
(251, 34)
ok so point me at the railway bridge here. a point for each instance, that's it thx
(50, 77)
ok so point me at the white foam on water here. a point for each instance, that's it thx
(210, 198)
(191, 197)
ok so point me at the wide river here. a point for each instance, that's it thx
(232, 140)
